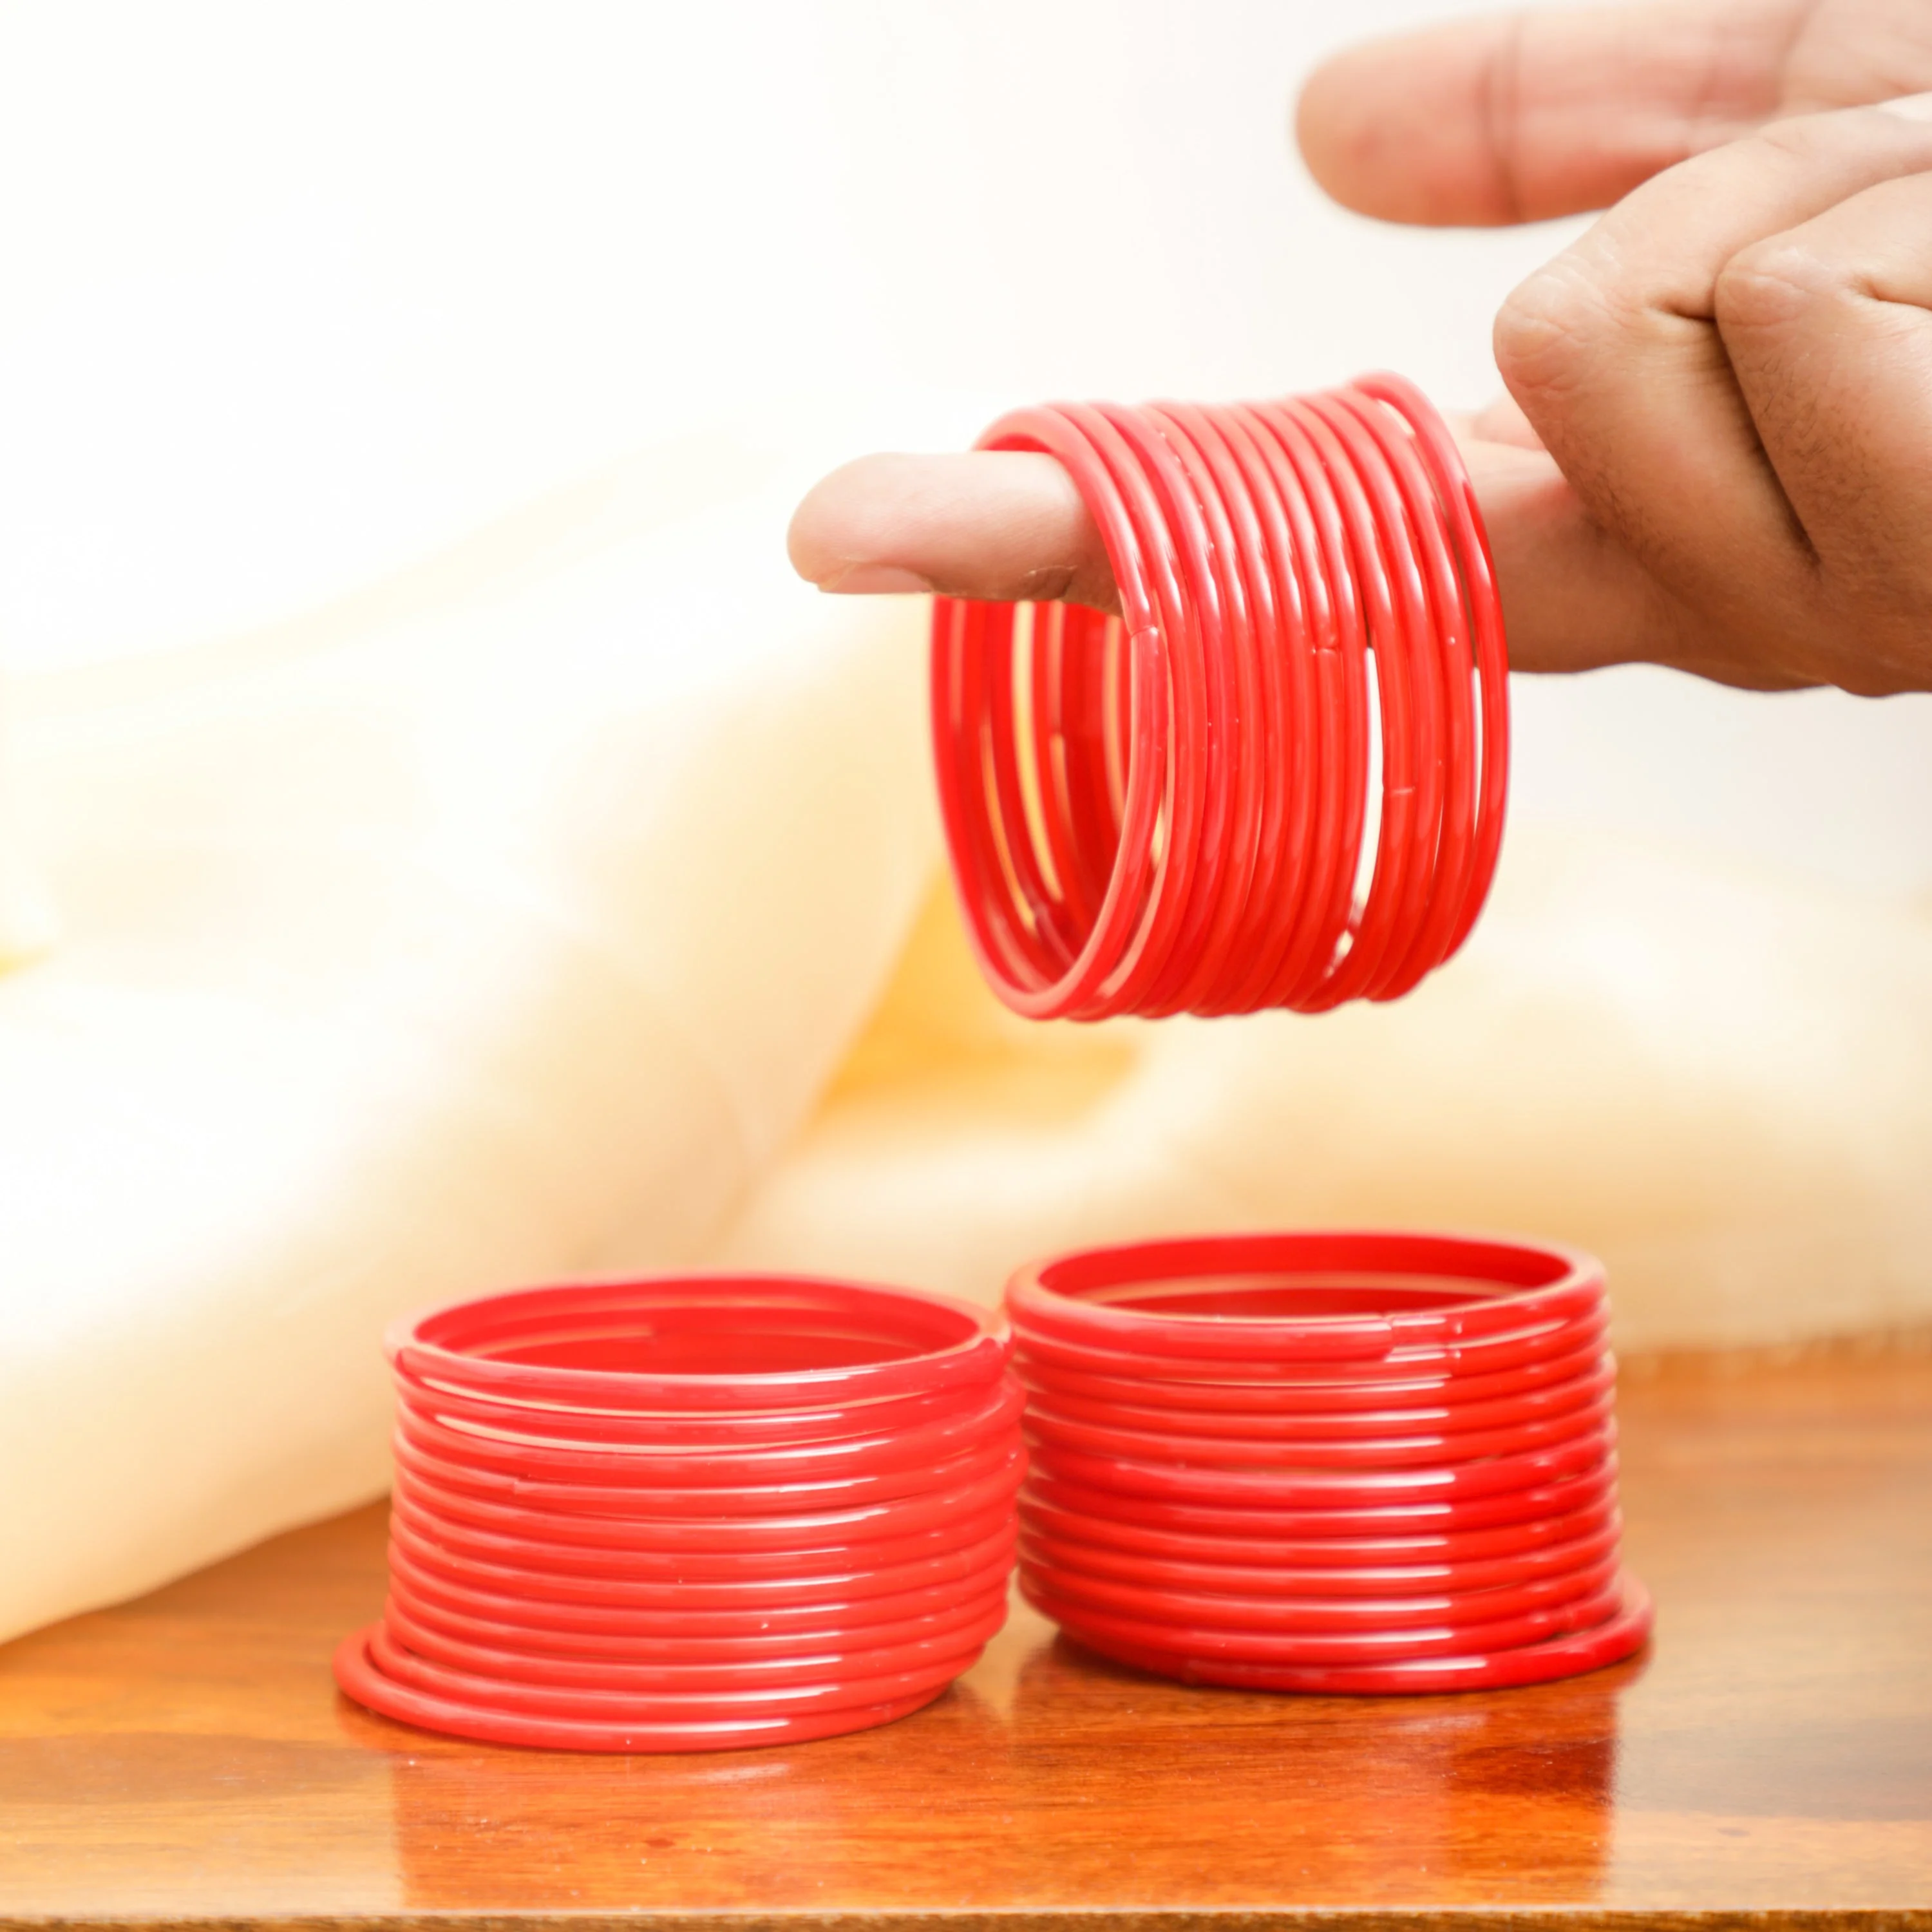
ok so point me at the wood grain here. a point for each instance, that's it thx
(185, 1758)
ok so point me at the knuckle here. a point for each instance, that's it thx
(1547, 333)
(1771, 286)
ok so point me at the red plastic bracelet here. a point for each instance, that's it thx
(1295, 1299)
(1283, 1613)
(858, 1526)
(794, 1466)
(407, 1609)
(490, 1722)
(700, 1568)
(1306, 1647)
(492, 1473)
(1051, 1512)
(1434, 1449)
(1619, 1635)
(1427, 1517)
(1238, 1402)
(1167, 810)
(1443, 1416)
(716, 1345)
(1358, 1461)
(845, 1661)
(649, 1592)
(1486, 1356)
(1220, 1576)
(1452, 1484)
(691, 1513)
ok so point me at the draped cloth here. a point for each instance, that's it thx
(573, 902)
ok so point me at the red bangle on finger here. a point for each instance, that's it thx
(1176, 809)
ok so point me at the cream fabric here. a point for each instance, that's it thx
(1719, 1081)
(27, 923)
(442, 942)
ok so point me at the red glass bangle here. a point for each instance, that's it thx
(1168, 810)
(857, 1525)
(1046, 1510)
(1619, 1637)
(357, 1676)
(926, 1445)
(1238, 1401)
(691, 1513)
(1314, 1453)
(1324, 1647)
(817, 1640)
(1431, 1450)
(1048, 1550)
(1281, 1614)
(1295, 1299)
(842, 1662)
(1427, 1516)
(1440, 1418)
(403, 1666)
(411, 1582)
(1039, 1353)
(737, 1431)
(722, 1343)
(1453, 1483)
(492, 1474)
(548, 1557)
(645, 1593)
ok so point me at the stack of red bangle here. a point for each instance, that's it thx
(691, 1514)
(1177, 810)
(1326, 1462)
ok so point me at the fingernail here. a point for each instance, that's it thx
(873, 580)
(1908, 107)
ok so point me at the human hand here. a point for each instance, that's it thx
(1720, 453)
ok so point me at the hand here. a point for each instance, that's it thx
(1720, 452)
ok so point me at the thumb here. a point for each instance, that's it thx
(1573, 598)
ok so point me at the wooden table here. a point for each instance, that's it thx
(186, 1758)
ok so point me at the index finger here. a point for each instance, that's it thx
(1517, 117)
(1007, 525)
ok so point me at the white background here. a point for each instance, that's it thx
(293, 295)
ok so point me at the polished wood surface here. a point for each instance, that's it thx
(185, 1757)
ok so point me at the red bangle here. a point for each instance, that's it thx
(699, 1567)
(792, 1467)
(543, 1582)
(1444, 1414)
(1168, 810)
(857, 1525)
(691, 1513)
(712, 1344)
(1348, 1614)
(1237, 1402)
(842, 1661)
(1382, 1449)
(1223, 1576)
(1619, 1635)
(487, 1720)
(1281, 1646)
(1359, 1461)
(407, 1609)
(1052, 1510)
(1290, 1299)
